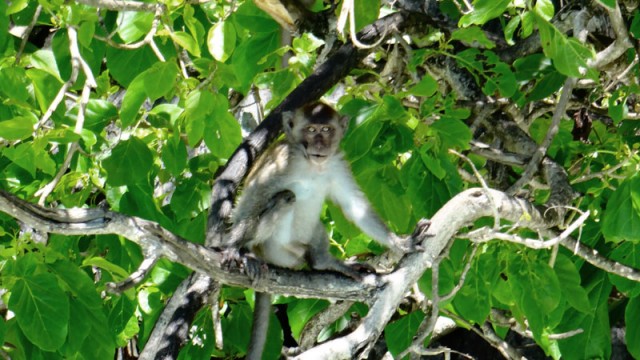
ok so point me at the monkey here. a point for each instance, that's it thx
(277, 217)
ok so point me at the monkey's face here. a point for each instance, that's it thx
(320, 141)
(316, 129)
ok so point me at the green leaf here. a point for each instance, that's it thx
(44, 60)
(366, 12)
(500, 78)
(544, 9)
(96, 342)
(42, 310)
(153, 83)
(609, 3)
(473, 35)
(97, 114)
(360, 140)
(14, 83)
(45, 86)
(433, 164)
(133, 25)
(422, 184)
(399, 334)
(473, 301)
(190, 198)
(221, 40)
(246, 56)
(187, 42)
(510, 29)
(426, 87)
(174, 155)
(222, 135)
(569, 55)
(569, 277)
(237, 328)
(536, 289)
(634, 28)
(4, 30)
(621, 220)
(301, 311)
(130, 163)
(632, 335)
(595, 340)
(122, 320)
(453, 133)
(160, 79)
(104, 264)
(626, 253)
(16, 6)
(17, 128)
(125, 65)
(548, 85)
(483, 11)
(31, 156)
(617, 105)
(133, 99)
(3, 330)
(198, 106)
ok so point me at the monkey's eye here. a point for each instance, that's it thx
(325, 129)
(311, 129)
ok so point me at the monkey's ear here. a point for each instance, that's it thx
(287, 121)
(344, 122)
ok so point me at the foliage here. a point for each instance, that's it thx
(136, 112)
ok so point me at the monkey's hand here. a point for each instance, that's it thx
(248, 263)
(411, 243)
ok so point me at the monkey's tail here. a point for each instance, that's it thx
(261, 314)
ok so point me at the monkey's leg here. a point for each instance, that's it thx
(263, 215)
(261, 313)
(320, 258)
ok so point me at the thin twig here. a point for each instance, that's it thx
(77, 62)
(27, 32)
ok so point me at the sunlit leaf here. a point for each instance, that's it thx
(16, 129)
(221, 40)
(483, 11)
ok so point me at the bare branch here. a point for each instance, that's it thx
(157, 240)
(554, 127)
(27, 32)
(121, 5)
(77, 63)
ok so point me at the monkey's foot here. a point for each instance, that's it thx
(360, 269)
(255, 268)
(420, 233)
(250, 265)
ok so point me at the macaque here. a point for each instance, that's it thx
(277, 218)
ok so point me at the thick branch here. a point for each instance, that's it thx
(155, 239)
(463, 209)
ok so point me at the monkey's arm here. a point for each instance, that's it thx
(347, 195)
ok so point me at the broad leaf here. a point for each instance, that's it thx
(16, 129)
(483, 11)
(568, 55)
(632, 335)
(621, 220)
(129, 163)
(399, 334)
(42, 310)
(221, 40)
